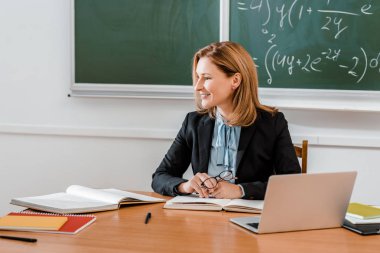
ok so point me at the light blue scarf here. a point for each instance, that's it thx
(226, 144)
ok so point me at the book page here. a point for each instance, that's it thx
(59, 202)
(196, 200)
(131, 196)
(354, 220)
(93, 194)
(245, 203)
(113, 196)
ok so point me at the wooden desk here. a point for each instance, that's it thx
(186, 231)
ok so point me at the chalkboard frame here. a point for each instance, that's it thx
(283, 98)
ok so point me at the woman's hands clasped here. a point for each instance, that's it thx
(195, 184)
(199, 184)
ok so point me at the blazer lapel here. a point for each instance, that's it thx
(205, 131)
(245, 138)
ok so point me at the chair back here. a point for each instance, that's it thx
(301, 152)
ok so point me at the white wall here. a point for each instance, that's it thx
(49, 141)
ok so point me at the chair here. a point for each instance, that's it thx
(301, 152)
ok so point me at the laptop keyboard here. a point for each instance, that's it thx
(254, 224)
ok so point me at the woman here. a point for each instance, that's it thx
(233, 142)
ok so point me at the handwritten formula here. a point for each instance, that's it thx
(331, 44)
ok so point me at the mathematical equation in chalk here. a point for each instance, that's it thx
(333, 20)
(357, 68)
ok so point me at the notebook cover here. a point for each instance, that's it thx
(74, 224)
(363, 229)
(13, 222)
(363, 211)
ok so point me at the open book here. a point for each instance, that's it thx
(211, 204)
(80, 199)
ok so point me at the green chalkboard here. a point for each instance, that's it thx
(311, 44)
(141, 41)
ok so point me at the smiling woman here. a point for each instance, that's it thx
(235, 77)
(215, 88)
(230, 131)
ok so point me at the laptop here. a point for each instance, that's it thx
(301, 202)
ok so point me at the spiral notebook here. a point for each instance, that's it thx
(73, 225)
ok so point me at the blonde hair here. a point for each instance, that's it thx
(232, 58)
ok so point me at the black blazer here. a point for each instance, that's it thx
(265, 148)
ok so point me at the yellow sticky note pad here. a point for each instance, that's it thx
(31, 222)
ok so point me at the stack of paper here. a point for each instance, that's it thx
(363, 219)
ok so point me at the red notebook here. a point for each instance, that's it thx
(73, 225)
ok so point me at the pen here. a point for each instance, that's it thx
(147, 218)
(24, 239)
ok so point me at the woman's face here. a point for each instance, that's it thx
(215, 88)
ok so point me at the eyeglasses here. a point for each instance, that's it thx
(212, 182)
